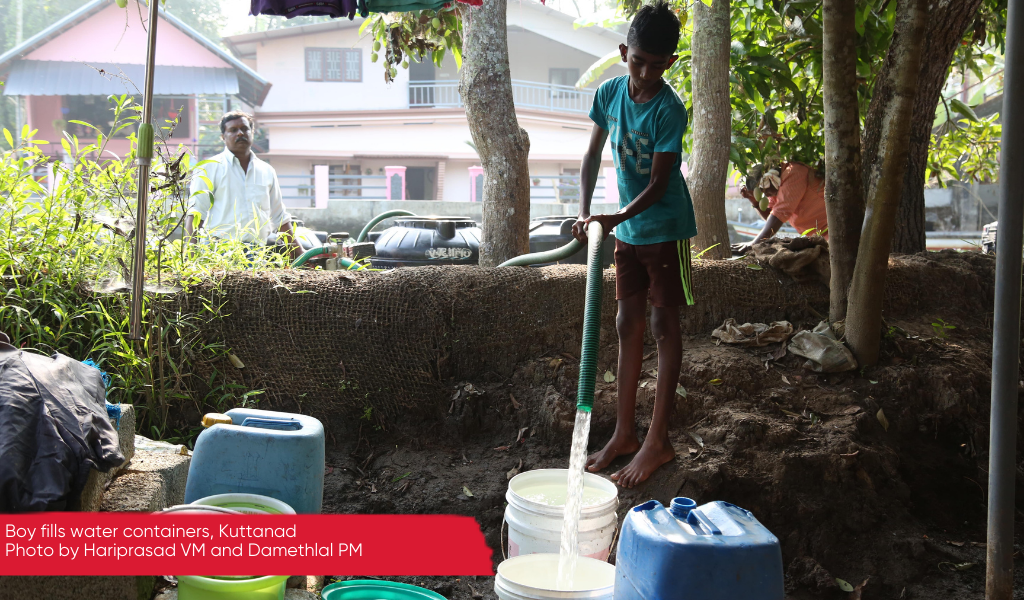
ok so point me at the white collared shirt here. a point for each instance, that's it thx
(244, 205)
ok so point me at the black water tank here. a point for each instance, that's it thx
(548, 233)
(422, 241)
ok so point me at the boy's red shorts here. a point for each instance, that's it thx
(662, 270)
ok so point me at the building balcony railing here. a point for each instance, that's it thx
(526, 94)
(299, 191)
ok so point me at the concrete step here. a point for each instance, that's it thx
(151, 481)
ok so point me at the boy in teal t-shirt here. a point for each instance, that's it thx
(644, 120)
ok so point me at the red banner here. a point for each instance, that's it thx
(192, 544)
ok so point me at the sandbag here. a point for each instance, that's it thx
(824, 353)
(53, 429)
(753, 334)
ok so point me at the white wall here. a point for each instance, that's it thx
(282, 61)
(531, 55)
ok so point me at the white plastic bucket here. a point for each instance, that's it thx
(532, 577)
(536, 527)
(247, 504)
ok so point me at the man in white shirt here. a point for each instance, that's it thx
(244, 202)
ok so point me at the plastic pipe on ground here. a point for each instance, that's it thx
(591, 318)
(384, 215)
(349, 264)
(537, 258)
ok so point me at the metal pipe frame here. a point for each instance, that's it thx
(1006, 331)
(142, 208)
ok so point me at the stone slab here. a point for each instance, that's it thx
(152, 481)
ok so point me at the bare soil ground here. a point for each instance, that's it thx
(876, 476)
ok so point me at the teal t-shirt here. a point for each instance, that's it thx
(636, 132)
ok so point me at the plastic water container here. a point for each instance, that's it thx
(371, 589)
(534, 577)
(718, 551)
(536, 506)
(192, 587)
(275, 454)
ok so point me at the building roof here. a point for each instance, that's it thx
(56, 78)
(249, 85)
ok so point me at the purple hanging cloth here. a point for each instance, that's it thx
(309, 8)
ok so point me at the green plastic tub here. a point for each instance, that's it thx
(366, 589)
(247, 504)
(193, 587)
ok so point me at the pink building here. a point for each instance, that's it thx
(67, 72)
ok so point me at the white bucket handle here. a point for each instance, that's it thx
(501, 538)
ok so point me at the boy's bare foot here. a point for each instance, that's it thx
(616, 447)
(652, 455)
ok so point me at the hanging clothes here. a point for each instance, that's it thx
(304, 8)
(345, 8)
(385, 6)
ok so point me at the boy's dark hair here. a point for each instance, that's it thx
(655, 29)
(235, 114)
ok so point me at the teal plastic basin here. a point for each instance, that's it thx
(366, 589)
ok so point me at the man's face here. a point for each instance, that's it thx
(645, 69)
(237, 135)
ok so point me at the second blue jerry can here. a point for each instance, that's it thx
(717, 551)
(274, 454)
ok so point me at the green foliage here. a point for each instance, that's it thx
(965, 150)
(414, 36)
(776, 71)
(942, 329)
(64, 256)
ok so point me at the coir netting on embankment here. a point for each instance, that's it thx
(337, 343)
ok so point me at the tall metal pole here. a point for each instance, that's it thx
(1006, 332)
(145, 158)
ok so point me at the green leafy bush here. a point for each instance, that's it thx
(65, 257)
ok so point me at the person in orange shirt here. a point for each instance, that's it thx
(796, 195)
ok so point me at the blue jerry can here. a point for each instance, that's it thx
(715, 552)
(274, 454)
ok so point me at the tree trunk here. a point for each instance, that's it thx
(885, 182)
(844, 189)
(947, 23)
(503, 146)
(712, 125)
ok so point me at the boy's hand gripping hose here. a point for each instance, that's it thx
(591, 318)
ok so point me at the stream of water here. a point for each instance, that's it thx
(569, 547)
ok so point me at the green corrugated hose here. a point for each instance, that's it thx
(351, 265)
(591, 318)
(547, 256)
(591, 310)
(384, 215)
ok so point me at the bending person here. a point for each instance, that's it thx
(796, 195)
(240, 197)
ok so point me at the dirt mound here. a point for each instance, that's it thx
(876, 477)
